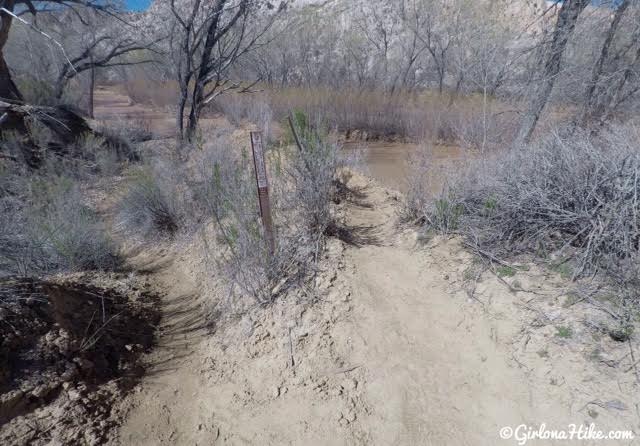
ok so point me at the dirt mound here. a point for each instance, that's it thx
(68, 348)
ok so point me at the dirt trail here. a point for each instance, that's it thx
(434, 375)
(173, 380)
(115, 107)
(111, 105)
(394, 352)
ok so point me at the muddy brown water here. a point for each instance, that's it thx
(389, 162)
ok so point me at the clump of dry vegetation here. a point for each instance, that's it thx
(303, 180)
(573, 194)
(375, 114)
(152, 205)
(47, 227)
(570, 199)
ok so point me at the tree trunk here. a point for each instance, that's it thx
(192, 123)
(182, 104)
(567, 19)
(58, 88)
(589, 106)
(8, 89)
(440, 81)
(92, 87)
(197, 105)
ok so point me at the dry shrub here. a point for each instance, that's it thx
(313, 170)
(224, 192)
(373, 114)
(569, 196)
(253, 108)
(101, 152)
(417, 197)
(124, 134)
(439, 211)
(45, 227)
(418, 116)
(153, 203)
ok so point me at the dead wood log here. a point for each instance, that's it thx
(65, 124)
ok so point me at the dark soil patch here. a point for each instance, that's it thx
(68, 349)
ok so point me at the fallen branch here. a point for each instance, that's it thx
(347, 369)
(292, 361)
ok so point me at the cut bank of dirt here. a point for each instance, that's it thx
(69, 349)
(389, 346)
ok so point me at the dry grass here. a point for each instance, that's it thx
(153, 203)
(468, 121)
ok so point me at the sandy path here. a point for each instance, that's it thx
(174, 378)
(432, 379)
(393, 354)
(112, 106)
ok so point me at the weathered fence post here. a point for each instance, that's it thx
(263, 189)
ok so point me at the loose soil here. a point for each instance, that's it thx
(391, 344)
(69, 348)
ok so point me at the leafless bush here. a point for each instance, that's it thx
(419, 165)
(124, 134)
(224, 199)
(440, 212)
(47, 228)
(235, 107)
(313, 169)
(90, 155)
(471, 121)
(153, 203)
(224, 193)
(569, 196)
(253, 108)
(369, 114)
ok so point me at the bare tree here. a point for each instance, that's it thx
(64, 123)
(209, 40)
(89, 60)
(8, 89)
(568, 15)
(437, 27)
(614, 80)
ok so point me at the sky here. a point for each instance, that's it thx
(137, 5)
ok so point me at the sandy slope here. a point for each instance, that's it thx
(392, 352)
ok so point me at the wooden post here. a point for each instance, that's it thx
(263, 189)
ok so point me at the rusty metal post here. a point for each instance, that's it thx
(263, 189)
